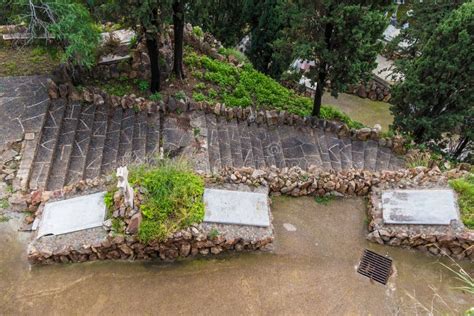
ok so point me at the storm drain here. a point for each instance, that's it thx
(375, 266)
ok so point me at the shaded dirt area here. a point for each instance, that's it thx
(311, 271)
(365, 111)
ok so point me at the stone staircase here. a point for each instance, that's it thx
(234, 143)
(69, 141)
(84, 141)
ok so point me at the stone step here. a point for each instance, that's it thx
(320, 138)
(200, 151)
(47, 145)
(292, 147)
(110, 155)
(267, 146)
(383, 158)
(96, 145)
(61, 158)
(276, 147)
(334, 150)
(153, 134)
(246, 144)
(396, 163)
(81, 143)
(177, 135)
(139, 138)
(124, 154)
(213, 143)
(310, 148)
(370, 155)
(224, 142)
(235, 144)
(346, 153)
(358, 148)
(257, 147)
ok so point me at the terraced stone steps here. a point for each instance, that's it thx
(83, 141)
(235, 143)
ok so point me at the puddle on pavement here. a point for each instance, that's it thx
(312, 270)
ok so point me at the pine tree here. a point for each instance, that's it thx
(436, 97)
(342, 38)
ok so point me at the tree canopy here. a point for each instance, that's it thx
(66, 21)
(437, 97)
(341, 38)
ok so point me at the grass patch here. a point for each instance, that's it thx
(465, 189)
(234, 52)
(4, 218)
(366, 111)
(244, 87)
(4, 203)
(172, 198)
(28, 60)
(323, 200)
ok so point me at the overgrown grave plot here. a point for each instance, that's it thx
(167, 220)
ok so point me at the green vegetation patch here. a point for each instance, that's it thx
(324, 200)
(173, 198)
(4, 218)
(28, 60)
(244, 86)
(465, 189)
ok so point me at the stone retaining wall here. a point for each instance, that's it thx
(198, 240)
(452, 240)
(376, 90)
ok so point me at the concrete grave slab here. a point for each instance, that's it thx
(428, 207)
(236, 207)
(72, 215)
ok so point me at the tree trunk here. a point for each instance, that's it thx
(178, 25)
(322, 74)
(153, 53)
(460, 147)
(318, 95)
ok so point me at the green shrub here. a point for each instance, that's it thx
(156, 97)
(197, 30)
(199, 97)
(465, 189)
(214, 233)
(143, 85)
(180, 95)
(133, 41)
(4, 203)
(245, 86)
(172, 198)
(200, 86)
(234, 52)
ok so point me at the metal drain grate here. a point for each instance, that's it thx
(375, 266)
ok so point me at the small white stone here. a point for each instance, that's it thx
(289, 227)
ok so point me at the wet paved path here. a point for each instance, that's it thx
(312, 271)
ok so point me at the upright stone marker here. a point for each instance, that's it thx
(236, 207)
(426, 207)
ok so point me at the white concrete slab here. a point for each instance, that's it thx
(429, 207)
(236, 207)
(72, 215)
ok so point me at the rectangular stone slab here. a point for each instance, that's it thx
(236, 207)
(72, 215)
(429, 207)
